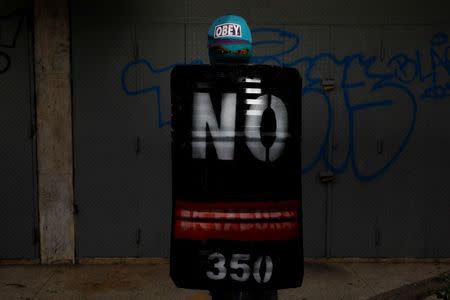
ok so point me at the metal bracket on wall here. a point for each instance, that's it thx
(379, 146)
(327, 177)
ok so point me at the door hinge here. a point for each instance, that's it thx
(35, 235)
(382, 54)
(33, 129)
(379, 146)
(377, 237)
(138, 145)
(136, 50)
(138, 236)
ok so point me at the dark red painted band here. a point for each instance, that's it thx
(275, 231)
(242, 215)
(241, 221)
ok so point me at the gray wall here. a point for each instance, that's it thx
(381, 132)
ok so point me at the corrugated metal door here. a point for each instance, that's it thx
(355, 207)
(18, 235)
(122, 135)
(160, 47)
(317, 122)
(415, 207)
(402, 188)
(390, 147)
(106, 145)
(382, 151)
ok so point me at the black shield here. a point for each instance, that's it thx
(236, 169)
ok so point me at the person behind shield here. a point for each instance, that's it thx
(230, 42)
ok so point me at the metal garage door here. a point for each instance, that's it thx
(18, 234)
(374, 155)
(122, 135)
(105, 140)
(390, 143)
(122, 139)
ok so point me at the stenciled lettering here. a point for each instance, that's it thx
(253, 125)
(240, 267)
(204, 116)
(204, 120)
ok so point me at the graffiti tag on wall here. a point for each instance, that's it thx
(428, 68)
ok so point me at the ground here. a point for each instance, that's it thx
(324, 279)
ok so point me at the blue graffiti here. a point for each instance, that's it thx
(8, 39)
(409, 69)
(400, 71)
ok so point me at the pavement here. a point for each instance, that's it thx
(324, 279)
